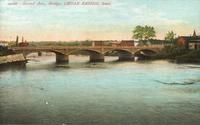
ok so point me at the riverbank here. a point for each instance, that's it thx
(8, 58)
(191, 57)
(11, 60)
(178, 55)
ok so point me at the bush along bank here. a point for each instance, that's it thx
(191, 57)
(179, 55)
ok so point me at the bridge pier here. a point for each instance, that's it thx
(62, 58)
(39, 53)
(126, 58)
(96, 58)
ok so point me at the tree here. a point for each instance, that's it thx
(149, 32)
(170, 36)
(138, 32)
(144, 32)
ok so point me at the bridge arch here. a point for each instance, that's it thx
(119, 51)
(123, 54)
(60, 56)
(26, 53)
(88, 51)
(39, 53)
(95, 55)
(145, 52)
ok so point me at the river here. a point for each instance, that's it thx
(110, 93)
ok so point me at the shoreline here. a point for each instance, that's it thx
(12, 60)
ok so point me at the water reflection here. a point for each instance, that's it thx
(185, 82)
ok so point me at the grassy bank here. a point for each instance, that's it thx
(171, 52)
(190, 57)
(179, 54)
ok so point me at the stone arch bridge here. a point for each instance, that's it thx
(96, 53)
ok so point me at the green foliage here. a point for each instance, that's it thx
(149, 32)
(170, 36)
(138, 32)
(191, 57)
(171, 52)
(179, 54)
(144, 32)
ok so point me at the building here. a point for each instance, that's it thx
(123, 43)
(189, 42)
(3, 43)
(24, 43)
(98, 43)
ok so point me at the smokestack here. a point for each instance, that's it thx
(22, 39)
(17, 40)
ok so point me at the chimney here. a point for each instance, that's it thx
(17, 40)
(194, 34)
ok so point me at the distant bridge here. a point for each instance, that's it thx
(96, 53)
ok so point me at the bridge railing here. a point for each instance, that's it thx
(83, 47)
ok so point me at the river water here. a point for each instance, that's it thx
(110, 93)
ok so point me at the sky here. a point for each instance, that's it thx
(96, 22)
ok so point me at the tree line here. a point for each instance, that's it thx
(145, 33)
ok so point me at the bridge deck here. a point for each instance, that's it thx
(96, 53)
(84, 47)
